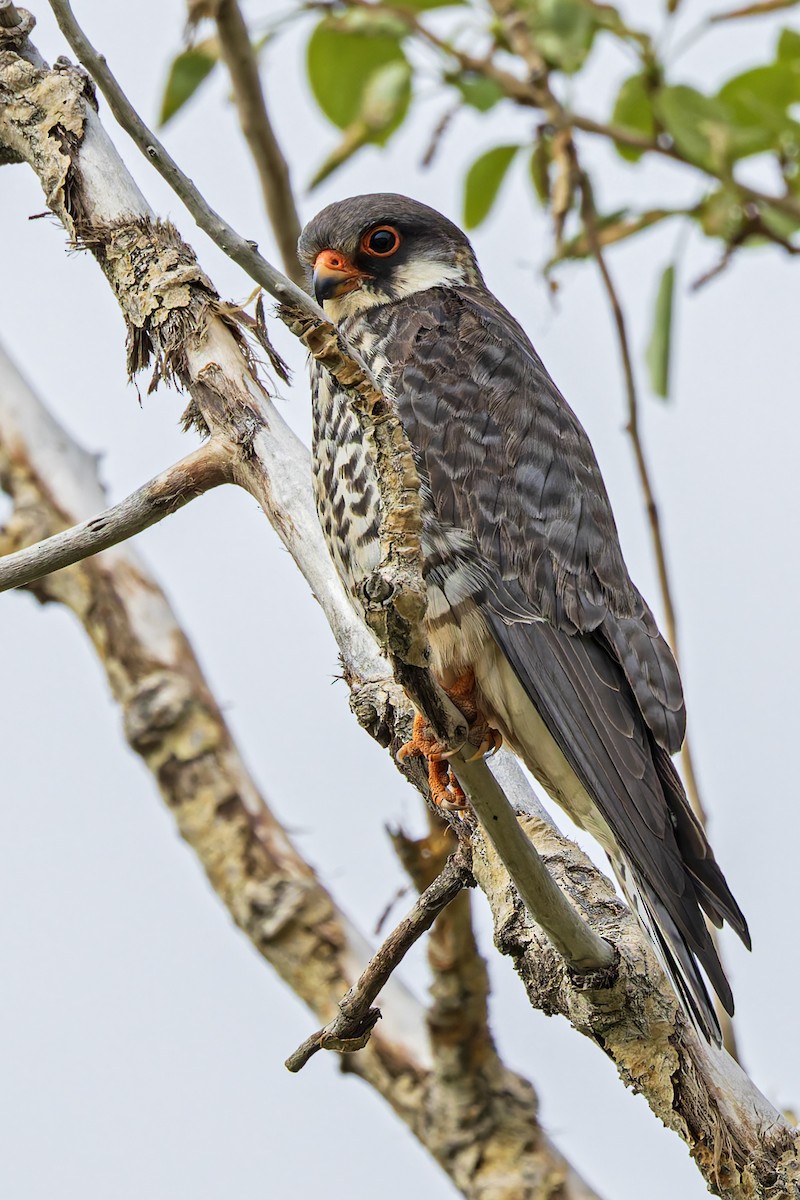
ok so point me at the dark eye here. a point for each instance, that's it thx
(381, 241)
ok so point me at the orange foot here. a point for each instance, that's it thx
(446, 792)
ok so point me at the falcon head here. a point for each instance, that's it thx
(368, 250)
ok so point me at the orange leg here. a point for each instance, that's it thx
(445, 789)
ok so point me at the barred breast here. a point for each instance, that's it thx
(347, 499)
(349, 509)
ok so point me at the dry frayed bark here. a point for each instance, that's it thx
(498, 1151)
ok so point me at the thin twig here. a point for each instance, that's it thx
(9, 16)
(273, 171)
(243, 252)
(589, 214)
(350, 1030)
(529, 93)
(458, 1016)
(205, 468)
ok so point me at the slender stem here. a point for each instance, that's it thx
(243, 252)
(273, 171)
(9, 15)
(632, 427)
(206, 468)
(350, 1030)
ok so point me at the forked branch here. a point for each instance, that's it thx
(351, 1029)
(398, 593)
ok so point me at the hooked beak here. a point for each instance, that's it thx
(335, 275)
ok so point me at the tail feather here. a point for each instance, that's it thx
(572, 717)
(676, 957)
(715, 896)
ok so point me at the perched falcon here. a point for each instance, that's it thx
(529, 598)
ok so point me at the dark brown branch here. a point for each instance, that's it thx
(273, 171)
(458, 1016)
(350, 1030)
(203, 469)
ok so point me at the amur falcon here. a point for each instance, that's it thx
(529, 598)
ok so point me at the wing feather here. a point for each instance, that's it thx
(514, 490)
(507, 459)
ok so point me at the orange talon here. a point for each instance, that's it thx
(446, 791)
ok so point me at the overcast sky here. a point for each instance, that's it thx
(141, 1038)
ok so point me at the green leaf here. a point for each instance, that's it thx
(422, 5)
(478, 91)
(611, 228)
(789, 46)
(658, 350)
(186, 73)
(483, 183)
(385, 100)
(633, 112)
(698, 125)
(781, 223)
(383, 106)
(721, 214)
(758, 102)
(342, 57)
(564, 31)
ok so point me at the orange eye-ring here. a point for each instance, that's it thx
(381, 241)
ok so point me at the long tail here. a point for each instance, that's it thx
(575, 721)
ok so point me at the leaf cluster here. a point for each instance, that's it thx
(368, 62)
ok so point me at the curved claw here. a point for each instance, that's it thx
(491, 743)
(446, 791)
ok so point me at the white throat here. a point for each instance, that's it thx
(415, 276)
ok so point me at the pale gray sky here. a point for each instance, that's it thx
(141, 1038)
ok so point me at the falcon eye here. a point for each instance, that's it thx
(381, 242)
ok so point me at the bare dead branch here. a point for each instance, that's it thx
(351, 1029)
(458, 1015)
(203, 469)
(273, 171)
(172, 721)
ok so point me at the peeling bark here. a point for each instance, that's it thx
(173, 723)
